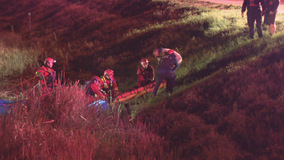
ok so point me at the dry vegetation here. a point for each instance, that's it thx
(227, 102)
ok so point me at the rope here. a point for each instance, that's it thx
(20, 84)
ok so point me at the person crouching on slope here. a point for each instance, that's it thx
(109, 84)
(145, 73)
(94, 90)
(161, 50)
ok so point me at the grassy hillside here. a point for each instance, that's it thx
(227, 103)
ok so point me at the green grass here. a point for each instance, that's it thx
(227, 102)
(16, 59)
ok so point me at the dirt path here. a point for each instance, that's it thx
(240, 2)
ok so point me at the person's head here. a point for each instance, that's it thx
(171, 51)
(97, 80)
(157, 52)
(48, 62)
(108, 74)
(144, 63)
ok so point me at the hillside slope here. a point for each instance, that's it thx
(76, 33)
(226, 107)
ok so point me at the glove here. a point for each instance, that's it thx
(148, 81)
(104, 93)
(39, 75)
(105, 86)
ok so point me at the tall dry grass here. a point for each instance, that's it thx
(62, 126)
(227, 102)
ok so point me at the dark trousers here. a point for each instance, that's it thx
(252, 17)
(170, 78)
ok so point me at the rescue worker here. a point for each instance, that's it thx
(270, 11)
(109, 84)
(145, 73)
(160, 50)
(47, 75)
(96, 96)
(94, 90)
(253, 14)
(166, 70)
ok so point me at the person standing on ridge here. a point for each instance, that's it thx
(145, 73)
(270, 11)
(168, 63)
(253, 14)
(46, 75)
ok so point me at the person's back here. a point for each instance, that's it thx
(160, 51)
(168, 62)
(166, 71)
(94, 90)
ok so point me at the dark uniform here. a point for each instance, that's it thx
(167, 65)
(253, 14)
(270, 6)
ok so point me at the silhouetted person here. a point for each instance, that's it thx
(270, 11)
(253, 14)
(166, 70)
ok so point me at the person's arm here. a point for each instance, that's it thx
(263, 7)
(275, 6)
(244, 6)
(39, 74)
(116, 90)
(175, 62)
(97, 90)
(152, 73)
(178, 57)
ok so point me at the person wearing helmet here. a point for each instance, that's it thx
(109, 83)
(168, 63)
(94, 90)
(159, 52)
(145, 73)
(46, 75)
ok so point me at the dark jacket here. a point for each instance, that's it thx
(168, 62)
(271, 5)
(252, 5)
